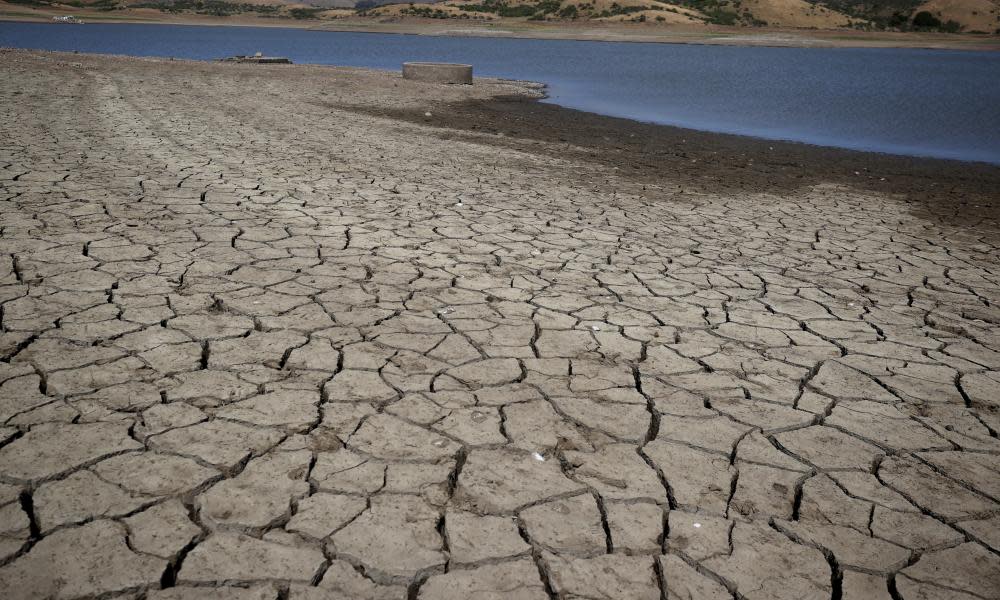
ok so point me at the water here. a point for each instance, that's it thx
(940, 103)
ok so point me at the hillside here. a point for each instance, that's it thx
(795, 13)
(782, 13)
(896, 15)
(968, 15)
(599, 10)
(948, 15)
(972, 15)
(294, 9)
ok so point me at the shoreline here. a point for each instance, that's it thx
(794, 147)
(518, 119)
(619, 33)
(940, 188)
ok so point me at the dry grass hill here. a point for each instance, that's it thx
(952, 15)
(796, 13)
(972, 15)
(925, 15)
(966, 15)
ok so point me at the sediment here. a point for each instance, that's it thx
(312, 332)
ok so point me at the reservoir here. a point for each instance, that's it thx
(936, 103)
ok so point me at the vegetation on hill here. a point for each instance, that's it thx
(924, 15)
(898, 15)
(219, 8)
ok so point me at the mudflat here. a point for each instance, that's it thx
(314, 332)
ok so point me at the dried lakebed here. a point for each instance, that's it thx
(275, 332)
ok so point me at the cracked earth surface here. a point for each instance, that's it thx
(258, 346)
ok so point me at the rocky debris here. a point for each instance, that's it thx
(317, 355)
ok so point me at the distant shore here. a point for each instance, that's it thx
(604, 32)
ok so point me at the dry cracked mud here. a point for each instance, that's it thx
(261, 342)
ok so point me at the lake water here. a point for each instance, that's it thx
(939, 103)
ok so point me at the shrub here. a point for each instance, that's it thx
(951, 27)
(925, 20)
(719, 16)
(304, 13)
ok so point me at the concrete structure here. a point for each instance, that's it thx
(438, 72)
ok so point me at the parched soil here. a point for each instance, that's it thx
(318, 333)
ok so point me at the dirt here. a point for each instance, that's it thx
(271, 331)
(963, 192)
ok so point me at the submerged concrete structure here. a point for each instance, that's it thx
(438, 72)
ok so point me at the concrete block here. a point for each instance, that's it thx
(438, 72)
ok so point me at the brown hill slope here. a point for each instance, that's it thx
(795, 13)
(972, 15)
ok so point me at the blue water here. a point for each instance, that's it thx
(939, 103)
